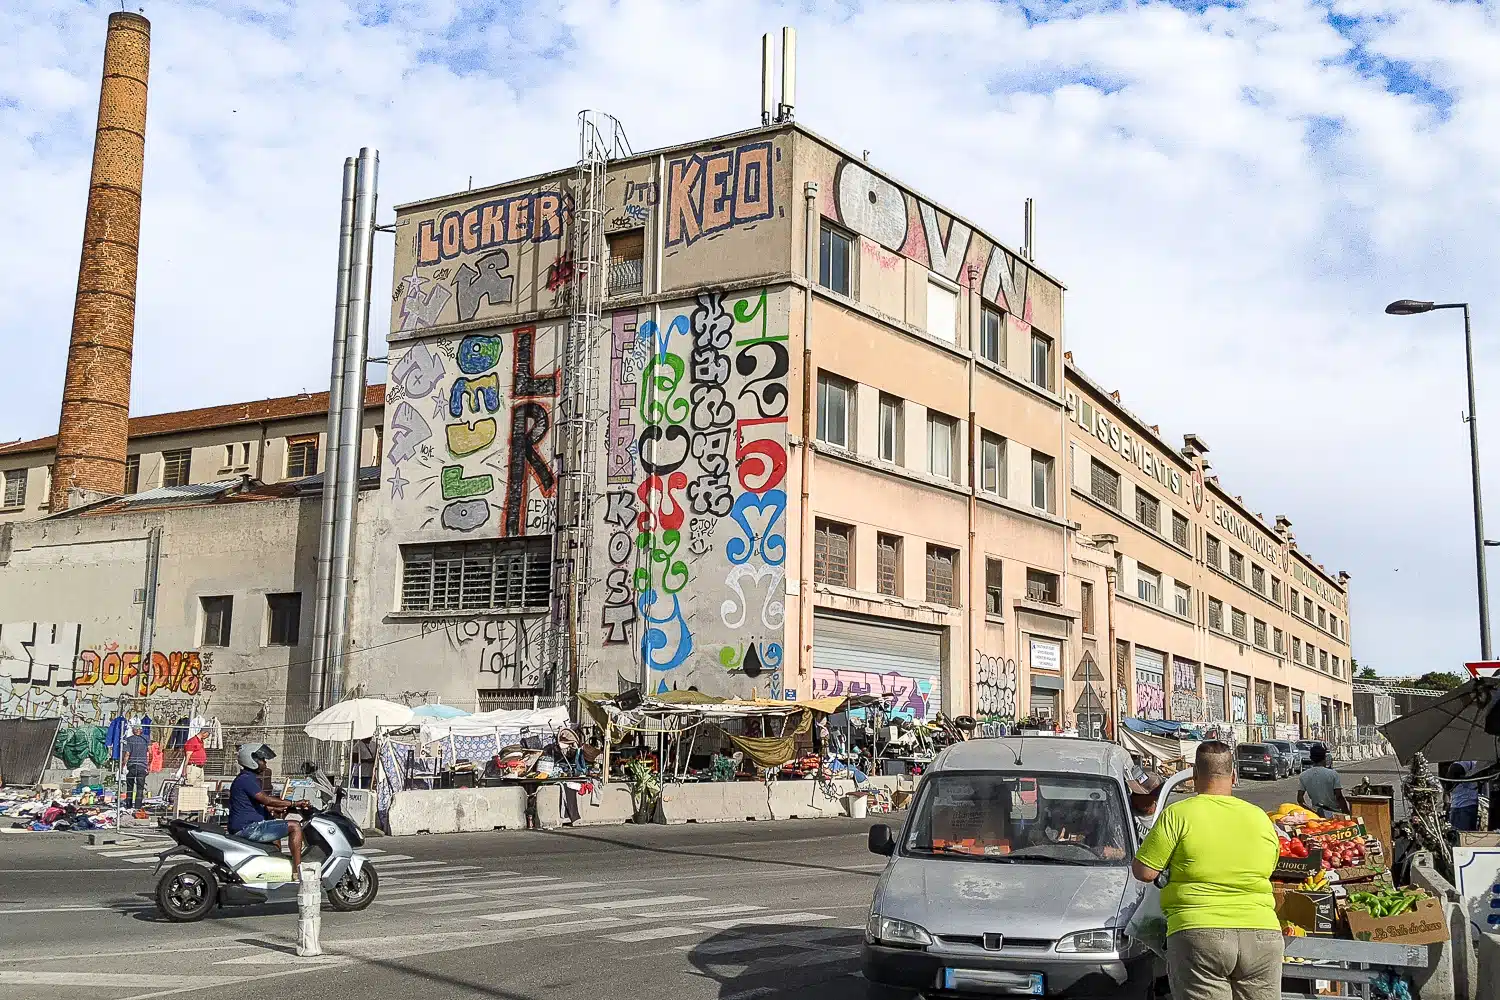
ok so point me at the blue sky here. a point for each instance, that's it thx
(1232, 192)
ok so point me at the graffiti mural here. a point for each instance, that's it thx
(1187, 706)
(908, 693)
(994, 686)
(476, 459)
(179, 672)
(694, 523)
(1150, 694)
(40, 654)
(708, 193)
(507, 653)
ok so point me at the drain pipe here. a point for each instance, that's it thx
(804, 506)
(351, 422)
(315, 684)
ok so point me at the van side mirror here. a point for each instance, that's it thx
(881, 840)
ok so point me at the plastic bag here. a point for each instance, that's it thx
(1148, 924)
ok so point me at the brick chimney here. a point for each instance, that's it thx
(91, 431)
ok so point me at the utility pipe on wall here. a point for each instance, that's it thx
(804, 504)
(326, 516)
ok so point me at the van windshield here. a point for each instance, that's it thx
(1020, 819)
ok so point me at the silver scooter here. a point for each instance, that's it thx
(230, 871)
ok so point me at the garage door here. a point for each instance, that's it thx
(1150, 684)
(864, 656)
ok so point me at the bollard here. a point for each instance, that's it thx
(309, 911)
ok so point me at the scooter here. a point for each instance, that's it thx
(231, 871)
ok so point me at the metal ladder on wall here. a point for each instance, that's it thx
(600, 139)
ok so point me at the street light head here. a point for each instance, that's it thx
(1408, 307)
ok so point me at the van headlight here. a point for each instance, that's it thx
(1106, 940)
(896, 933)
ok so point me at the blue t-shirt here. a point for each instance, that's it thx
(243, 809)
(139, 751)
(1466, 794)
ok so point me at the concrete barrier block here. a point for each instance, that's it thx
(457, 810)
(714, 802)
(615, 806)
(809, 799)
(1487, 976)
(549, 799)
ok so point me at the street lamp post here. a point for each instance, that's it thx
(1411, 307)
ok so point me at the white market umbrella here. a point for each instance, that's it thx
(357, 719)
(1451, 728)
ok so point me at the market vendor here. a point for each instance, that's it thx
(1463, 803)
(1320, 788)
(1223, 935)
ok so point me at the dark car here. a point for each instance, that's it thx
(1259, 760)
(1305, 748)
(1289, 751)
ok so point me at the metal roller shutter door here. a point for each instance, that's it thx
(865, 652)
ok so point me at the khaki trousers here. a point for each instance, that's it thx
(1213, 964)
(192, 775)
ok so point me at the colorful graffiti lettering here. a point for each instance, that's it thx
(534, 217)
(709, 193)
(1187, 706)
(907, 693)
(177, 672)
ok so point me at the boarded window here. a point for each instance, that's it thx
(831, 542)
(940, 572)
(888, 564)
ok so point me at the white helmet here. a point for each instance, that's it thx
(251, 755)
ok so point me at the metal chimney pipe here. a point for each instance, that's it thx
(766, 96)
(1030, 221)
(351, 420)
(315, 683)
(788, 72)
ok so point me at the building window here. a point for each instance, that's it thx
(1237, 625)
(133, 474)
(627, 252)
(942, 312)
(1104, 483)
(835, 411)
(831, 544)
(228, 456)
(992, 463)
(1148, 585)
(1042, 493)
(1278, 640)
(1293, 603)
(301, 456)
(1323, 660)
(1258, 578)
(1147, 510)
(1236, 565)
(1322, 618)
(940, 432)
(1211, 554)
(286, 619)
(217, 615)
(1216, 614)
(994, 578)
(379, 445)
(835, 252)
(1276, 591)
(1307, 608)
(1086, 605)
(1260, 633)
(992, 336)
(15, 487)
(1041, 360)
(940, 575)
(1333, 626)
(1041, 586)
(888, 564)
(510, 575)
(1119, 573)
(892, 429)
(1336, 667)
(1296, 650)
(176, 467)
(1184, 604)
(1179, 529)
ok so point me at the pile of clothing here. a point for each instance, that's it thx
(90, 807)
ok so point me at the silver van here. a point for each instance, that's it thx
(1011, 876)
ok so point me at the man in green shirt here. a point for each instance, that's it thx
(1223, 936)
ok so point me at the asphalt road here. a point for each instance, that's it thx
(721, 912)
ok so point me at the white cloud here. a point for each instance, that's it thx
(1231, 194)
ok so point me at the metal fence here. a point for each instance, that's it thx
(292, 745)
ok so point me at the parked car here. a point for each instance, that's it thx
(1305, 748)
(1012, 875)
(1289, 751)
(1260, 760)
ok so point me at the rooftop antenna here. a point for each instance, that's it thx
(1028, 250)
(788, 74)
(765, 78)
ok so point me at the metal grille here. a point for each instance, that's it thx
(1260, 633)
(1216, 614)
(176, 467)
(1147, 510)
(301, 456)
(888, 565)
(1179, 529)
(1104, 483)
(1236, 565)
(510, 575)
(940, 575)
(1258, 578)
(1237, 624)
(15, 487)
(1211, 552)
(831, 553)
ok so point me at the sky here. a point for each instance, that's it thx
(1231, 193)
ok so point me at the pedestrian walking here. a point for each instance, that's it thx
(1463, 804)
(135, 757)
(1320, 788)
(1223, 937)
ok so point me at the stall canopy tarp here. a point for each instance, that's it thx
(1153, 744)
(1451, 728)
(490, 723)
(763, 751)
(357, 719)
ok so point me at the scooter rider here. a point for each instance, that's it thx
(250, 805)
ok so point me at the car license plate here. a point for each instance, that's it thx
(994, 981)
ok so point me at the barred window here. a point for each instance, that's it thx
(1260, 633)
(506, 575)
(15, 488)
(1258, 578)
(888, 564)
(301, 456)
(1179, 529)
(1216, 614)
(831, 545)
(941, 575)
(1104, 483)
(1211, 551)
(1041, 586)
(1237, 624)
(177, 467)
(1236, 565)
(1147, 510)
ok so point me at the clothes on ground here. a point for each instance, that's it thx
(136, 752)
(266, 831)
(1321, 785)
(1220, 964)
(1219, 852)
(243, 809)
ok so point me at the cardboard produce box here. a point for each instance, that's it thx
(1348, 833)
(1423, 925)
(1297, 869)
(1357, 873)
(1314, 912)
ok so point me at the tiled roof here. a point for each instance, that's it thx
(307, 404)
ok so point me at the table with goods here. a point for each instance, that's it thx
(1347, 925)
